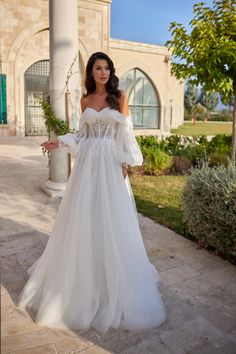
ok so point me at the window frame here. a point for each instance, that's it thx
(135, 107)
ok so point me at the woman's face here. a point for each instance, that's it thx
(101, 71)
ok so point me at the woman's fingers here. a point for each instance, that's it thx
(124, 171)
(44, 144)
(50, 145)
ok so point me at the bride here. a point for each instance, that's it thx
(94, 270)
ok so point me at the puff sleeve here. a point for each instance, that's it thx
(127, 147)
(72, 140)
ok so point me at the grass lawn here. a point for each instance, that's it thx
(203, 128)
(159, 198)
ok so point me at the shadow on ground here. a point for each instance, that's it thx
(18, 252)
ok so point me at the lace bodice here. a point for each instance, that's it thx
(102, 130)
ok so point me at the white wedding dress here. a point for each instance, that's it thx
(94, 270)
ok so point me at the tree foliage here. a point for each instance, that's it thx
(190, 97)
(207, 54)
(227, 101)
(209, 100)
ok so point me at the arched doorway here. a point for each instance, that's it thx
(36, 80)
(143, 100)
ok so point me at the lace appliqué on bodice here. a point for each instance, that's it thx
(102, 130)
(100, 140)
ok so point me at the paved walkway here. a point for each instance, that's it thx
(199, 288)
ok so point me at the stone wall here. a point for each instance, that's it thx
(22, 45)
(25, 40)
(154, 61)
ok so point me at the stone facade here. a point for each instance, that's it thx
(25, 41)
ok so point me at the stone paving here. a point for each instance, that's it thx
(198, 288)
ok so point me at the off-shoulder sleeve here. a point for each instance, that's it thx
(127, 147)
(72, 140)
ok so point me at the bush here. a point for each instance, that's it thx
(221, 117)
(217, 159)
(187, 116)
(209, 205)
(192, 149)
(220, 143)
(173, 144)
(155, 161)
(186, 151)
(146, 141)
(181, 164)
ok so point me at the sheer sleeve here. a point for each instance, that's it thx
(127, 147)
(72, 140)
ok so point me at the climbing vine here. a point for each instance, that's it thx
(52, 122)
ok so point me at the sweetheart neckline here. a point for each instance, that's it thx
(96, 110)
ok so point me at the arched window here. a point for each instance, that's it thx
(36, 87)
(143, 101)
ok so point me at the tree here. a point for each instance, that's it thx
(208, 54)
(190, 98)
(209, 100)
(228, 101)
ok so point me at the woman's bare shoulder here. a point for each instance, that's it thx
(84, 101)
(123, 103)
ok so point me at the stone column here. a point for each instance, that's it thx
(64, 75)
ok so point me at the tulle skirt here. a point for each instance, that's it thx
(94, 270)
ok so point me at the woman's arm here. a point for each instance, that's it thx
(123, 102)
(124, 109)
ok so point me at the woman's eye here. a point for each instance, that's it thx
(101, 68)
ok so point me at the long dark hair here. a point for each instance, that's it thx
(111, 85)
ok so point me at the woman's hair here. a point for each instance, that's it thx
(112, 84)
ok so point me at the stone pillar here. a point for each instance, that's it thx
(64, 75)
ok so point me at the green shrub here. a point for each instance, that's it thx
(190, 150)
(197, 148)
(146, 141)
(187, 116)
(220, 143)
(217, 159)
(221, 118)
(173, 144)
(155, 161)
(209, 205)
(181, 165)
(193, 153)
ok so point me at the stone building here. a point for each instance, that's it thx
(155, 97)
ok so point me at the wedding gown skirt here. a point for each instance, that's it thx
(94, 270)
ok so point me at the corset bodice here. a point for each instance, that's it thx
(100, 129)
(102, 133)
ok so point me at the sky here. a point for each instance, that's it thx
(148, 21)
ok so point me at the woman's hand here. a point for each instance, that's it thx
(125, 170)
(50, 145)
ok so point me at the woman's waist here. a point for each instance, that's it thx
(101, 139)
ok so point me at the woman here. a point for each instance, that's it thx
(95, 270)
